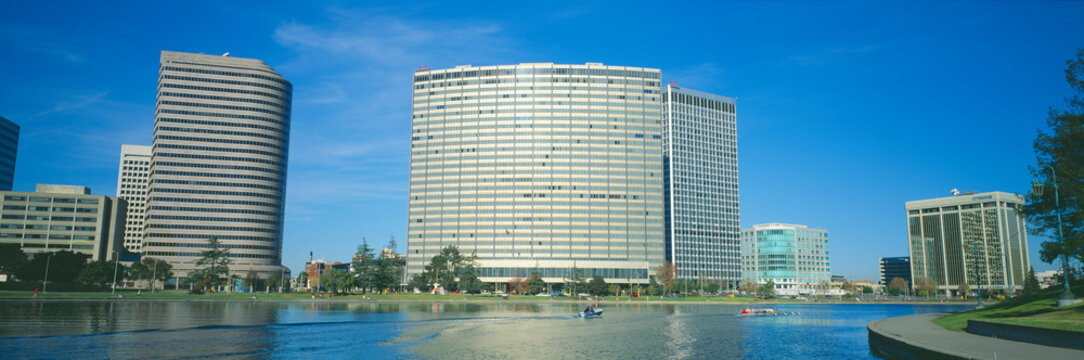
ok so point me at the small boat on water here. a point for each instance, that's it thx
(765, 312)
(590, 315)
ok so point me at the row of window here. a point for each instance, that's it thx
(221, 158)
(220, 132)
(224, 107)
(53, 209)
(224, 115)
(212, 140)
(205, 246)
(47, 199)
(216, 210)
(224, 90)
(215, 183)
(212, 228)
(218, 149)
(217, 166)
(224, 81)
(556, 70)
(215, 219)
(220, 123)
(218, 175)
(213, 201)
(48, 227)
(196, 254)
(214, 192)
(206, 237)
(279, 80)
(43, 236)
(47, 218)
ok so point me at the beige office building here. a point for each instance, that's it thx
(218, 165)
(133, 182)
(63, 217)
(538, 167)
(973, 238)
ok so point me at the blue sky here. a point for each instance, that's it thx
(845, 109)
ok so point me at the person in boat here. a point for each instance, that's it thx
(588, 310)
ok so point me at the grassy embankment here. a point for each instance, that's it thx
(1038, 309)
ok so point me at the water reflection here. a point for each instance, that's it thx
(244, 329)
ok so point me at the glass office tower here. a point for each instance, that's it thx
(969, 238)
(700, 141)
(9, 148)
(538, 167)
(793, 257)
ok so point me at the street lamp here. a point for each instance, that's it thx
(1066, 298)
(116, 265)
(978, 274)
(45, 283)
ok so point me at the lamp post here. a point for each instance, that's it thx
(154, 274)
(116, 265)
(1066, 298)
(45, 282)
(978, 275)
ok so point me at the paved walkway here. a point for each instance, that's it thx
(920, 331)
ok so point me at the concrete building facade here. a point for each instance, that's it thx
(538, 166)
(133, 183)
(700, 163)
(63, 217)
(968, 238)
(219, 159)
(9, 148)
(794, 257)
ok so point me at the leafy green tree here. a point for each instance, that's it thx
(964, 287)
(275, 281)
(867, 290)
(336, 280)
(468, 279)
(98, 273)
(213, 267)
(302, 279)
(894, 291)
(597, 286)
(64, 266)
(574, 281)
(418, 282)
(653, 287)
(1031, 283)
(1062, 148)
(443, 266)
(151, 270)
(12, 258)
(712, 288)
(535, 284)
(766, 289)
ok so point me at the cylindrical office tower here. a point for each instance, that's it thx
(538, 167)
(221, 136)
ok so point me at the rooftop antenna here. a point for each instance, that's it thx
(955, 192)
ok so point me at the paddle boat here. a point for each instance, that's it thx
(765, 312)
(590, 313)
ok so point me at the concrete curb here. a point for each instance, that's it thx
(893, 346)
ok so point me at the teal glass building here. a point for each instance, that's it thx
(793, 257)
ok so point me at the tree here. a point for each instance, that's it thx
(442, 267)
(252, 279)
(897, 286)
(1031, 283)
(1063, 150)
(574, 280)
(418, 282)
(925, 286)
(12, 258)
(302, 280)
(98, 273)
(364, 266)
(747, 287)
(336, 280)
(653, 287)
(64, 266)
(850, 287)
(213, 266)
(275, 281)
(667, 274)
(964, 288)
(597, 286)
(516, 285)
(468, 279)
(535, 285)
(766, 290)
(712, 288)
(867, 290)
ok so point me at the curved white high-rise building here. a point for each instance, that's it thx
(221, 136)
(538, 167)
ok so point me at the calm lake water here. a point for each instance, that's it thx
(247, 329)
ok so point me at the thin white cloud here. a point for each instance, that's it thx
(38, 39)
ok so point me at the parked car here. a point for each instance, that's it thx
(634, 295)
(195, 292)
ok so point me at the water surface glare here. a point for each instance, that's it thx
(506, 330)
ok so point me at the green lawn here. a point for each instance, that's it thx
(1038, 309)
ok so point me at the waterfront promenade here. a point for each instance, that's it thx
(917, 337)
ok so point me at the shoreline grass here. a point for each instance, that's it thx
(1038, 309)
